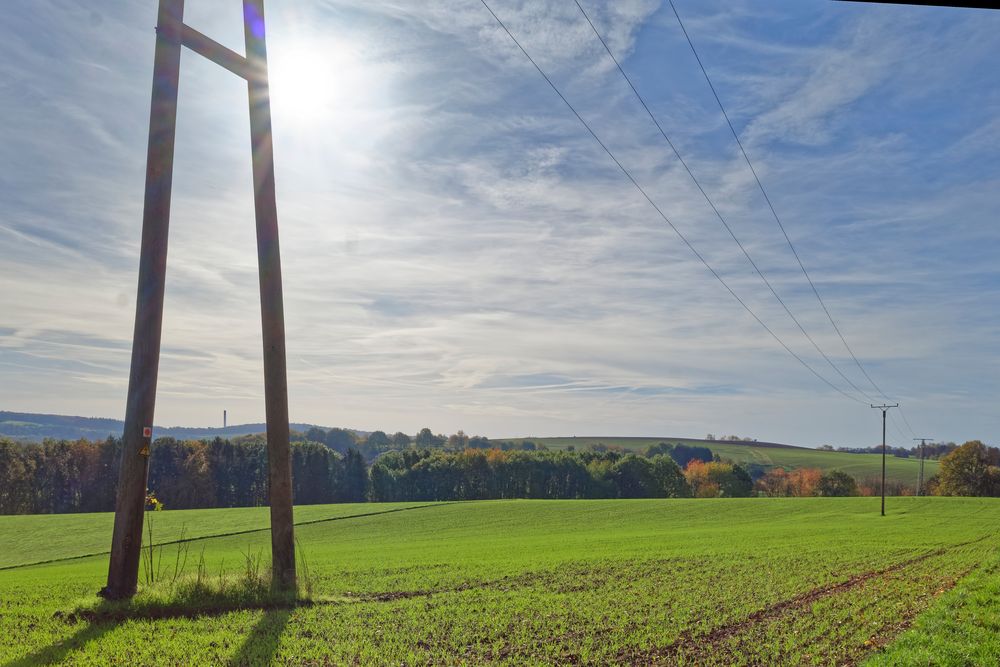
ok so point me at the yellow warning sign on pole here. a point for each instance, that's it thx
(144, 451)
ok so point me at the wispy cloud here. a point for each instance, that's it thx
(459, 253)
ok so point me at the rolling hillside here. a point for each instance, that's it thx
(768, 454)
(34, 427)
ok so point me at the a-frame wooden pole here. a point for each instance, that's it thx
(123, 569)
(171, 35)
(271, 303)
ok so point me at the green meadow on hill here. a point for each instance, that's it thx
(859, 466)
(717, 581)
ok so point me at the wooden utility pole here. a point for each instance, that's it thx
(920, 479)
(123, 569)
(272, 311)
(171, 35)
(884, 409)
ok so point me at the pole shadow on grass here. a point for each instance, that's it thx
(261, 645)
(258, 648)
(57, 652)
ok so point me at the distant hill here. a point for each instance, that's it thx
(641, 443)
(31, 427)
(765, 454)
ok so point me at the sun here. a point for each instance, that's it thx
(313, 82)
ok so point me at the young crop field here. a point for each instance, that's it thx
(823, 581)
(859, 466)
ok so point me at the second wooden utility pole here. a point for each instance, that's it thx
(920, 479)
(884, 409)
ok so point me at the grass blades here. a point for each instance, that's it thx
(725, 581)
(962, 628)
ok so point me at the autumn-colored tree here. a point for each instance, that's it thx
(696, 475)
(868, 487)
(803, 482)
(458, 440)
(717, 479)
(799, 482)
(872, 486)
(707, 489)
(967, 471)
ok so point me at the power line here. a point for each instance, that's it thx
(770, 205)
(652, 203)
(896, 426)
(725, 224)
(712, 205)
(905, 421)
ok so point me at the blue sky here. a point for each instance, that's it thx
(458, 253)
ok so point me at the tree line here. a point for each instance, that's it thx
(60, 476)
(481, 474)
(81, 476)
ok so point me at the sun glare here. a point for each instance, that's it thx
(316, 83)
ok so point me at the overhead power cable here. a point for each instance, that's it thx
(656, 207)
(774, 212)
(905, 420)
(714, 208)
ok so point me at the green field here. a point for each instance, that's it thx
(717, 581)
(859, 466)
(42, 537)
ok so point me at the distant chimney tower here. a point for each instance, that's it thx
(223, 419)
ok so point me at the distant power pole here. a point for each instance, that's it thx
(920, 482)
(171, 35)
(223, 419)
(884, 409)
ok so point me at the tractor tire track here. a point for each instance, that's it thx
(888, 633)
(698, 647)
